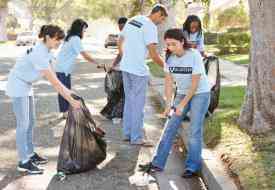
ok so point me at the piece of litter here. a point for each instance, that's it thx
(141, 180)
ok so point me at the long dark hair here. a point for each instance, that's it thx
(176, 34)
(187, 24)
(76, 29)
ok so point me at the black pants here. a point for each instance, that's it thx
(66, 81)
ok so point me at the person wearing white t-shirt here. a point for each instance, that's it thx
(138, 38)
(33, 66)
(185, 67)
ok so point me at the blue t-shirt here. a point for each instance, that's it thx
(138, 33)
(182, 68)
(68, 54)
(195, 39)
(28, 70)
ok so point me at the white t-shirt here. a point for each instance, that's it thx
(182, 68)
(195, 39)
(138, 33)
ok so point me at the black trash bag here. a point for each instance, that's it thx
(212, 69)
(113, 81)
(82, 147)
(115, 95)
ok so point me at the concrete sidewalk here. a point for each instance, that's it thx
(213, 171)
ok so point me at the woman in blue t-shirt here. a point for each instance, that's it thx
(34, 65)
(192, 30)
(66, 58)
(185, 67)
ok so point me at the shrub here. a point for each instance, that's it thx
(210, 38)
(233, 42)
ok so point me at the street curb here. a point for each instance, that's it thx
(213, 172)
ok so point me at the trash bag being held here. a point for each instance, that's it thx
(212, 69)
(113, 81)
(82, 147)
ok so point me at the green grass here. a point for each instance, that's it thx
(155, 69)
(237, 58)
(252, 156)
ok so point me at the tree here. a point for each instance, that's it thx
(169, 23)
(234, 17)
(3, 17)
(258, 111)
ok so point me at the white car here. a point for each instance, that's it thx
(26, 38)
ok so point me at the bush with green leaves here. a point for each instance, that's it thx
(234, 42)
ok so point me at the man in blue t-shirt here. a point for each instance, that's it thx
(138, 38)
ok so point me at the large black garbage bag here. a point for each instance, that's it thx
(113, 81)
(82, 147)
(212, 69)
(115, 95)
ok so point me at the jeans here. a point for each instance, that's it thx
(198, 107)
(133, 114)
(23, 107)
(66, 81)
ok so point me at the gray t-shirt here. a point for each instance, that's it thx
(27, 70)
(182, 68)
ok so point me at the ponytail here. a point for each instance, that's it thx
(53, 31)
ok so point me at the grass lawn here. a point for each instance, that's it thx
(155, 69)
(237, 58)
(250, 157)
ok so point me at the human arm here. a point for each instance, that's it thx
(194, 85)
(152, 48)
(168, 92)
(59, 87)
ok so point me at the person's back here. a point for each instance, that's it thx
(138, 33)
(138, 37)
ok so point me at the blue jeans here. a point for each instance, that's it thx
(66, 81)
(198, 107)
(133, 114)
(23, 107)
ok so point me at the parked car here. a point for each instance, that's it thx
(26, 38)
(111, 40)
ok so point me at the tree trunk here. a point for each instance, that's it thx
(3, 16)
(258, 111)
(169, 23)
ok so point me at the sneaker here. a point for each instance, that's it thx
(36, 159)
(189, 174)
(149, 168)
(29, 167)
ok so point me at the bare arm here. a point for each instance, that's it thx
(87, 57)
(168, 93)
(117, 60)
(190, 93)
(168, 89)
(120, 45)
(59, 87)
(154, 54)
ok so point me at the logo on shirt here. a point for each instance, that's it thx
(136, 23)
(180, 70)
